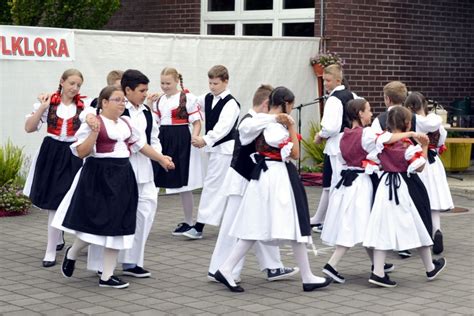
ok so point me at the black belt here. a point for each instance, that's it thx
(260, 166)
(347, 177)
(393, 181)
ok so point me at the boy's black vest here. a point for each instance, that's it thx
(241, 161)
(149, 122)
(344, 96)
(383, 121)
(212, 116)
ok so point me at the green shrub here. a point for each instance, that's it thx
(11, 160)
(314, 152)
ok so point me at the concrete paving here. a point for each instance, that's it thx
(178, 285)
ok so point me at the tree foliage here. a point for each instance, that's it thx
(85, 14)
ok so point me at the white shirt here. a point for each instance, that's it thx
(169, 103)
(230, 113)
(141, 164)
(250, 128)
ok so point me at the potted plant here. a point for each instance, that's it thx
(314, 153)
(12, 200)
(324, 59)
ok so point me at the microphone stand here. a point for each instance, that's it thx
(299, 107)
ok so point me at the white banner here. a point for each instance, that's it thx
(30, 43)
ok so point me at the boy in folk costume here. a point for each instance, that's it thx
(135, 86)
(221, 112)
(237, 179)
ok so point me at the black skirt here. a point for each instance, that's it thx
(300, 199)
(105, 199)
(55, 169)
(176, 143)
(327, 172)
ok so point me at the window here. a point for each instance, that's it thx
(258, 17)
(221, 5)
(298, 4)
(221, 29)
(258, 29)
(298, 29)
(258, 5)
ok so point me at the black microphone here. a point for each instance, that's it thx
(322, 98)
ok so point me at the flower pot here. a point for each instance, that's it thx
(4, 213)
(457, 157)
(318, 70)
(312, 178)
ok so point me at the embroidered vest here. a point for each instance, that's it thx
(180, 114)
(104, 144)
(55, 123)
(351, 147)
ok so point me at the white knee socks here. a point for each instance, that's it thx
(301, 257)
(320, 214)
(337, 255)
(54, 235)
(379, 262)
(435, 218)
(76, 248)
(238, 252)
(425, 254)
(188, 205)
(110, 261)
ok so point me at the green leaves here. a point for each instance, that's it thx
(11, 159)
(313, 151)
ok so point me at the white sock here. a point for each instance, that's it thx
(379, 262)
(320, 214)
(110, 261)
(301, 257)
(370, 253)
(435, 218)
(54, 235)
(76, 248)
(188, 205)
(238, 252)
(337, 255)
(425, 254)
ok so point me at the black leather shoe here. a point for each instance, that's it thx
(67, 267)
(48, 264)
(308, 287)
(61, 246)
(219, 277)
(438, 243)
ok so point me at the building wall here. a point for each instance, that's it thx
(163, 16)
(426, 44)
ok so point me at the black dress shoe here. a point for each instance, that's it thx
(48, 264)
(67, 267)
(438, 243)
(308, 287)
(61, 246)
(219, 277)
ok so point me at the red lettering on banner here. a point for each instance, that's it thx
(28, 52)
(51, 45)
(16, 45)
(5, 50)
(40, 46)
(63, 50)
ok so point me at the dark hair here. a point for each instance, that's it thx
(416, 101)
(353, 108)
(262, 94)
(105, 94)
(132, 78)
(279, 97)
(398, 119)
(218, 71)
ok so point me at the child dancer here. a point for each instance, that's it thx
(395, 221)
(433, 175)
(175, 111)
(221, 112)
(54, 167)
(237, 179)
(100, 208)
(274, 206)
(351, 200)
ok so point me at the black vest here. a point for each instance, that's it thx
(344, 96)
(383, 121)
(212, 116)
(149, 122)
(241, 161)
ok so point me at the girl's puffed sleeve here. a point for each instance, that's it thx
(135, 142)
(193, 108)
(44, 116)
(276, 135)
(81, 135)
(415, 158)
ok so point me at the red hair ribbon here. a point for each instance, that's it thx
(56, 99)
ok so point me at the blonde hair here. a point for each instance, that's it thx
(113, 76)
(396, 91)
(218, 71)
(335, 70)
(169, 71)
(68, 73)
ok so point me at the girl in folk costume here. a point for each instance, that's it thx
(54, 166)
(274, 206)
(433, 175)
(176, 110)
(400, 215)
(351, 201)
(101, 205)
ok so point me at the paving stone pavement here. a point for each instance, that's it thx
(178, 285)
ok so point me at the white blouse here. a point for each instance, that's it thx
(166, 104)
